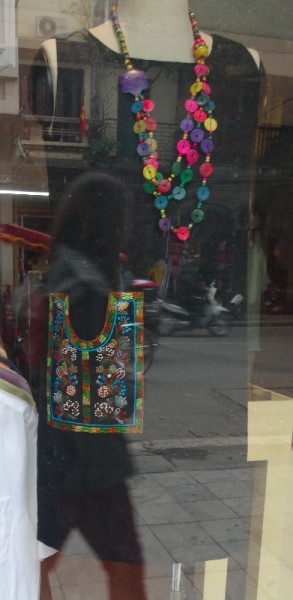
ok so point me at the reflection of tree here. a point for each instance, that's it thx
(100, 148)
(86, 12)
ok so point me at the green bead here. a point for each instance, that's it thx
(149, 187)
(176, 168)
(186, 175)
(159, 177)
(197, 215)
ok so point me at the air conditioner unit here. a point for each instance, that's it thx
(47, 27)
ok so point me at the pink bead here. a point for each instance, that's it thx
(164, 186)
(200, 116)
(206, 169)
(191, 106)
(201, 70)
(183, 234)
(192, 157)
(153, 162)
(206, 88)
(183, 146)
(148, 105)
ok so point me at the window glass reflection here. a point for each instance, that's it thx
(178, 193)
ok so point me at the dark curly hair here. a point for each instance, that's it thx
(91, 221)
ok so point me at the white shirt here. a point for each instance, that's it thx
(19, 550)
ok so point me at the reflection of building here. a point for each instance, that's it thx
(65, 147)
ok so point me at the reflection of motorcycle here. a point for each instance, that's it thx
(199, 311)
(151, 310)
(233, 302)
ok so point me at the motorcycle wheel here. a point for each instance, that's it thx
(220, 325)
(149, 347)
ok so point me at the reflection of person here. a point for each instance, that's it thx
(257, 281)
(19, 552)
(126, 273)
(190, 285)
(81, 475)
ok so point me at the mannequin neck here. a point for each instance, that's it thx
(174, 21)
(153, 33)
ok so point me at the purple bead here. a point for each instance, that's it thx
(187, 125)
(207, 146)
(197, 135)
(133, 82)
(164, 224)
(143, 149)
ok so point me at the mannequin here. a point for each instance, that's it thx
(166, 36)
(163, 43)
(152, 33)
(146, 34)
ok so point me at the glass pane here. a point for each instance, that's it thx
(146, 299)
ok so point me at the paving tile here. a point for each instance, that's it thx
(152, 571)
(53, 579)
(77, 570)
(153, 550)
(175, 478)
(251, 473)
(213, 475)
(223, 530)
(246, 506)
(187, 543)
(190, 493)
(208, 509)
(198, 554)
(237, 550)
(57, 594)
(137, 518)
(229, 488)
(85, 591)
(241, 586)
(247, 556)
(77, 544)
(156, 495)
(160, 588)
(145, 480)
(153, 514)
(151, 464)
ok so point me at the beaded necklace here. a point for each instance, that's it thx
(196, 141)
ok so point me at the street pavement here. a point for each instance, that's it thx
(196, 498)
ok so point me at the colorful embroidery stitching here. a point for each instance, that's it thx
(97, 386)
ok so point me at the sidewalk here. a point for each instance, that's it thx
(273, 320)
(190, 506)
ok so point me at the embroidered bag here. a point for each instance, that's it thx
(96, 386)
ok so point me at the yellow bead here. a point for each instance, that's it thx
(195, 88)
(149, 172)
(201, 52)
(210, 124)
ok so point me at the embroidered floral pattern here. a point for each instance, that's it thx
(88, 382)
